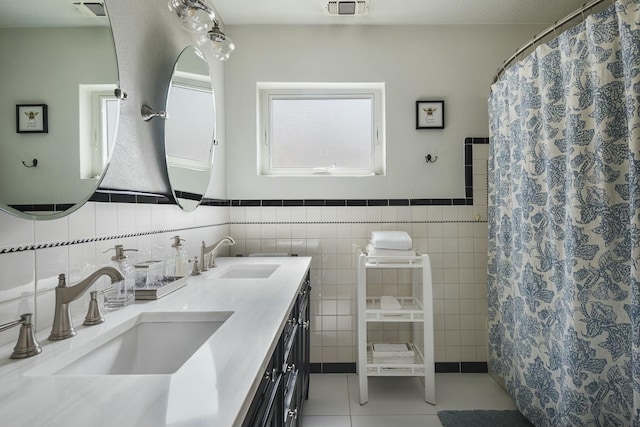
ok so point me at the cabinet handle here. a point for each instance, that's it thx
(271, 375)
(291, 367)
(291, 321)
(293, 413)
(303, 323)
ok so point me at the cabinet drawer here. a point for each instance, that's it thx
(291, 402)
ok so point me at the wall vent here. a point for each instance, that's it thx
(347, 8)
(90, 10)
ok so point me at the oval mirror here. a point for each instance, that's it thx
(190, 128)
(59, 112)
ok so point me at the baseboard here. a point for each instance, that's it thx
(441, 367)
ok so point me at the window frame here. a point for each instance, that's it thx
(266, 92)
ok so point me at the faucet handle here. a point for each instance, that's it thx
(196, 269)
(94, 317)
(27, 344)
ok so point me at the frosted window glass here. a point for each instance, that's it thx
(317, 133)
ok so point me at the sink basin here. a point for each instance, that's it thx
(249, 271)
(151, 344)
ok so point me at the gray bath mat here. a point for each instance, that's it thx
(477, 418)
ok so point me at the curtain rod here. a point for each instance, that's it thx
(585, 7)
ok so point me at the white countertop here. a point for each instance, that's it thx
(213, 388)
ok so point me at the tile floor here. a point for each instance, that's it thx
(396, 401)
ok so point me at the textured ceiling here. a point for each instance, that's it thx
(383, 12)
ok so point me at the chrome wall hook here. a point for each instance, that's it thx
(120, 94)
(149, 113)
(33, 164)
(430, 159)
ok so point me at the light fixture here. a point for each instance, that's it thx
(222, 45)
(347, 8)
(194, 15)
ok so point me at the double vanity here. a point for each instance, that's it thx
(231, 348)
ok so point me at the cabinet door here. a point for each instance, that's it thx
(304, 335)
(267, 401)
(291, 408)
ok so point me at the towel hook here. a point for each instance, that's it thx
(430, 159)
(33, 164)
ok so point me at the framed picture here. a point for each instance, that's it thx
(31, 118)
(429, 114)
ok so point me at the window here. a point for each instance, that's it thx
(321, 129)
(99, 110)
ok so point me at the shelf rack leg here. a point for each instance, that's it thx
(428, 340)
(361, 295)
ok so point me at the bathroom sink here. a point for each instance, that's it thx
(151, 344)
(249, 271)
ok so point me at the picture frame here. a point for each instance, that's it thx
(32, 118)
(429, 114)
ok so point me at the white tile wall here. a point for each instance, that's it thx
(28, 277)
(455, 237)
(458, 251)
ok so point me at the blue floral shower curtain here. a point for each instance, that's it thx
(564, 225)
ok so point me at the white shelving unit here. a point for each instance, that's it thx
(416, 309)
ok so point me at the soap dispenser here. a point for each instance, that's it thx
(123, 292)
(181, 257)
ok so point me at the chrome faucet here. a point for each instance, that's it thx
(62, 326)
(213, 248)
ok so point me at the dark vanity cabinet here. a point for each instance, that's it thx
(284, 385)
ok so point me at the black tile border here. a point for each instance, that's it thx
(474, 367)
(440, 368)
(119, 196)
(447, 367)
(462, 367)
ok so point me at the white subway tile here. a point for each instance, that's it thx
(50, 262)
(314, 214)
(15, 231)
(106, 219)
(55, 230)
(329, 213)
(82, 222)
(252, 214)
(283, 214)
(17, 275)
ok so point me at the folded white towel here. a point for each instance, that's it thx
(389, 303)
(391, 347)
(371, 251)
(399, 240)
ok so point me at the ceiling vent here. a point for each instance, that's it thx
(347, 8)
(90, 10)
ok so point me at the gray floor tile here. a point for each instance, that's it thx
(323, 421)
(390, 396)
(328, 395)
(470, 391)
(395, 421)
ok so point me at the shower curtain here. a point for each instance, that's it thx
(564, 225)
